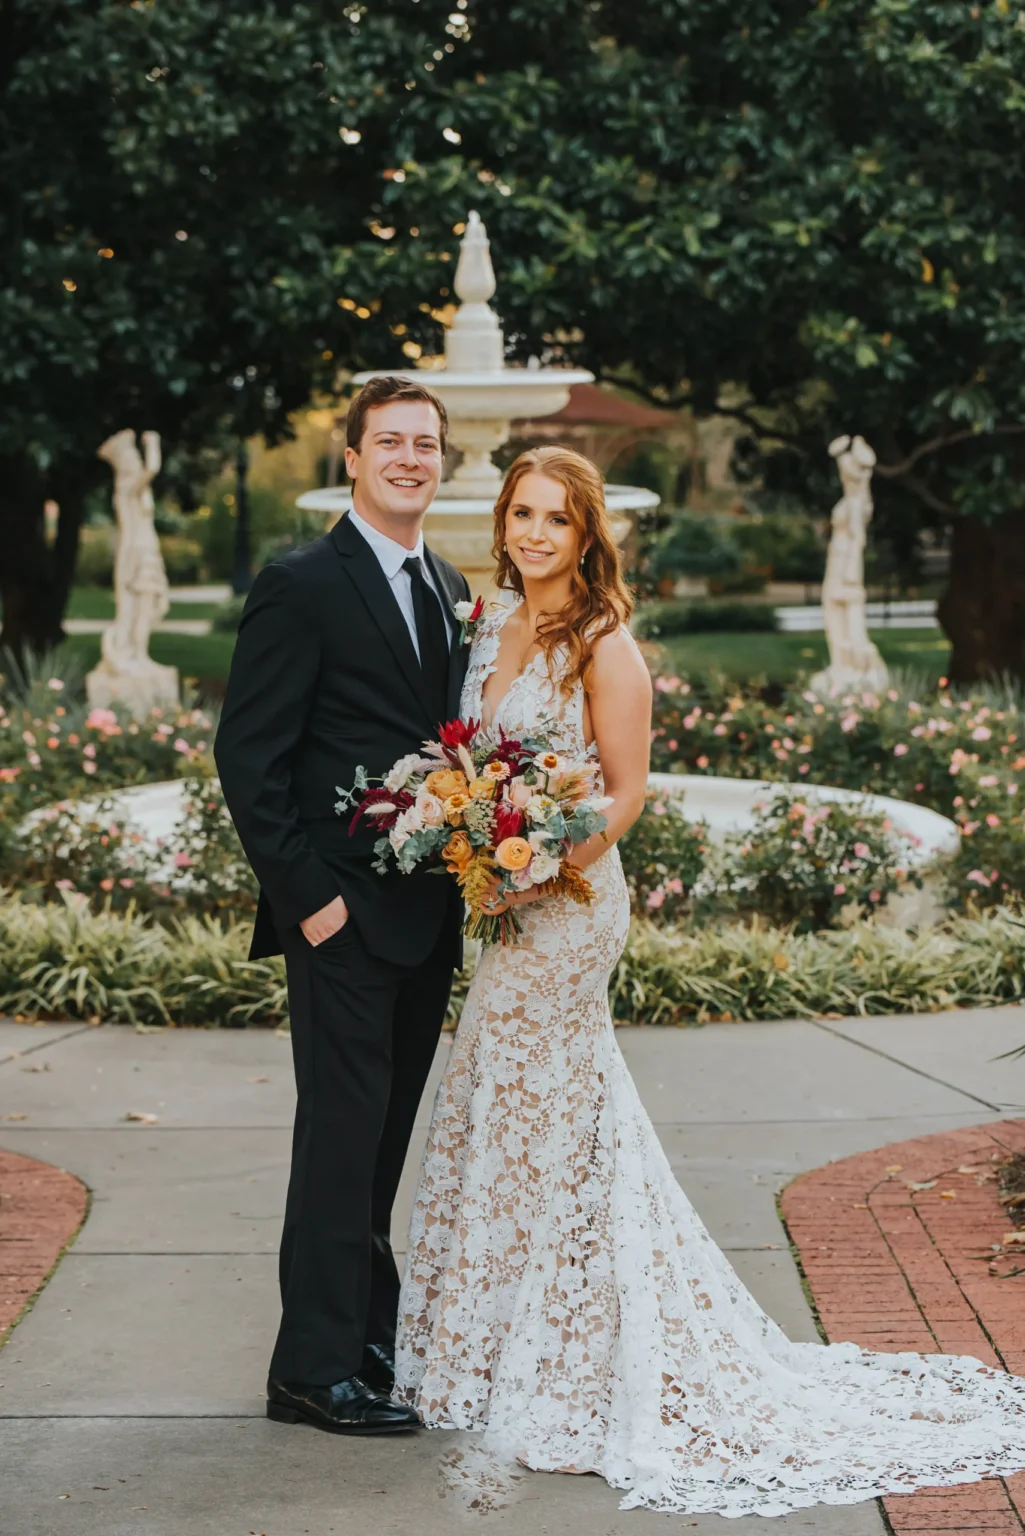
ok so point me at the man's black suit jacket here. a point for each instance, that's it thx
(325, 679)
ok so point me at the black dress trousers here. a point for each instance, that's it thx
(364, 1033)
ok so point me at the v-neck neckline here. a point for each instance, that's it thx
(493, 668)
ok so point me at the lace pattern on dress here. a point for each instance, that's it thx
(562, 1295)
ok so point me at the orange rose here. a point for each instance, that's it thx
(514, 853)
(483, 789)
(445, 782)
(455, 805)
(458, 853)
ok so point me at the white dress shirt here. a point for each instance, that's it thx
(390, 557)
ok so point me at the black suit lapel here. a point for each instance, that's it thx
(372, 585)
(458, 654)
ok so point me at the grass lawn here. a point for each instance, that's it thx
(202, 659)
(778, 657)
(782, 657)
(98, 603)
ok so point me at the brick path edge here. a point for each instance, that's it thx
(898, 1249)
(41, 1209)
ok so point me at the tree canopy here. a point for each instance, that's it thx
(807, 215)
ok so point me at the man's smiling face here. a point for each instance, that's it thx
(397, 469)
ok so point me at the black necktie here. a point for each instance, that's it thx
(432, 639)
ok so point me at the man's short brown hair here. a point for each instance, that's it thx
(381, 391)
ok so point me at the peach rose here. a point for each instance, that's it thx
(455, 805)
(457, 853)
(432, 811)
(446, 782)
(519, 793)
(514, 853)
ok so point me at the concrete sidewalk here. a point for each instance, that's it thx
(131, 1398)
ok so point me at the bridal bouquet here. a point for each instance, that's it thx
(498, 814)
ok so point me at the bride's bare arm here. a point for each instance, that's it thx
(619, 704)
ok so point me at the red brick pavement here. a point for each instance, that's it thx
(41, 1208)
(895, 1267)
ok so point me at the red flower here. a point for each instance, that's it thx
(401, 800)
(458, 733)
(508, 821)
(478, 609)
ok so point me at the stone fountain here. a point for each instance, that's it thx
(482, 397)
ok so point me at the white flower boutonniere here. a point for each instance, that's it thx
(469, 616)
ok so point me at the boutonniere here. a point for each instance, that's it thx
(469, 616)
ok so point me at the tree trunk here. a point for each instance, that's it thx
(35, 579)
(983, 608)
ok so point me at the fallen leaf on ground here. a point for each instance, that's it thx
(968, 1170)
(257, 1079)
(860, 1207)
(894, 1167)
(929, 1184)
(44, 1068)
(15, 1117)
(948, 1194)
(1014, 1237)
(142, 1116)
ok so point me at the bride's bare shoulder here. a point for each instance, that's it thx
(618, 661)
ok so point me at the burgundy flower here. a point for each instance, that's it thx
(508, 821)
(401, 800)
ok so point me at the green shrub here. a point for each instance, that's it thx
(787, 544)
(60, 961)
(183, 560)
(94, 562)
(67, 848)
(663, 858)
(655, 620)
(695, 544)
(805, 865)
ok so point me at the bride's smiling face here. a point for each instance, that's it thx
(540, 536)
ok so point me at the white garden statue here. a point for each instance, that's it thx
(127, 674)
(854, 662)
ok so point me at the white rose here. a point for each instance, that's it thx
(396, 778)
(463, 611)
(541, 808)
(431, 809)
(537, 839)
(543, 866)
(409, 821)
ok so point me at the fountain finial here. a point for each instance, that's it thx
(474, 342)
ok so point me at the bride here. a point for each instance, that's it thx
(560, 1291)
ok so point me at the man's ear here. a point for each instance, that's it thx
(351, 462)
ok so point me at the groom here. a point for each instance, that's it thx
(348, 655)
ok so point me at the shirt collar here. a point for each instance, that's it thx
(390, 554)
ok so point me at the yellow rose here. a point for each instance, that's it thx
(514, 853)
(455, 805)
(458, 853)
(483, 789)
(445, 782)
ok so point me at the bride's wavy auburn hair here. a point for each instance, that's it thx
(600, 600)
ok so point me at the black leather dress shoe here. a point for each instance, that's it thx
(378, 1367)
(349, 1407)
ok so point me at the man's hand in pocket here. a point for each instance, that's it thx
(321, 925)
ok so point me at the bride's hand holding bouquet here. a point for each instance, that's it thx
(500, 815)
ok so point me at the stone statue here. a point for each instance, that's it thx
(127, 674)
(854, 662)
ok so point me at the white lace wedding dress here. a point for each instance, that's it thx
(561, 1291)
